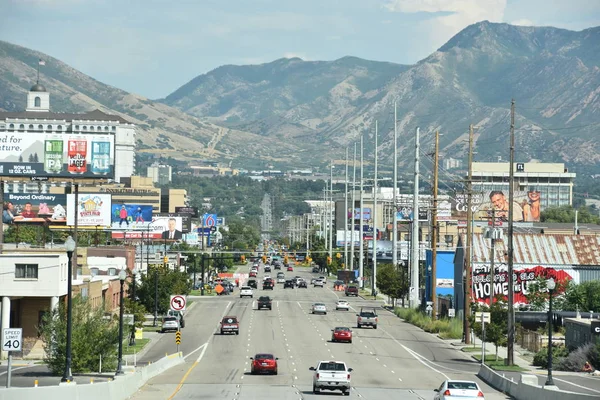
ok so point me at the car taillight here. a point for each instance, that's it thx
(376, 320)
(348, 376)
(480, 394)
(447, 393)
(317, 375)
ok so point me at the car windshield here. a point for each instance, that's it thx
(319, 305)
(245, 287)
(265, 298)
(342, 328)
(462, 385)
(342, 302)
(230, 320)
(332, 366)
(367, 314)
(170, 319)
(264, 357)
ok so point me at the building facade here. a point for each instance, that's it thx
(552, 180)
(160, 174)
(38, 118)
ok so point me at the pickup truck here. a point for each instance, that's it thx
(264, 302)
(352, 291)
(366, 317)
(331, 375)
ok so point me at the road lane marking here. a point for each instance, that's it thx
(189, 354)
(189, 371)
(579, 386)
(16, 369)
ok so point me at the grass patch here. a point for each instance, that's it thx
(139, 345)
(151, 329)
(199, 293)
(446, 328)
(497, 364)
(470, 349)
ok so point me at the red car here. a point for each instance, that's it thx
(264, 363)
(252, 274)
(341, 334)
(290, 268)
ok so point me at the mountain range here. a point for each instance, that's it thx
(291, 112)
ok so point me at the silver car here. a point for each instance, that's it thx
(169, 324)
(319, 308)
(318, 282)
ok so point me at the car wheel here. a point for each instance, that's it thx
(241, 297)
(222, 333)
(316, 390)
(350, 341)
(358, 325)
(325, 313)
(374, 326)
(237, 332)
(346, 392)
(275, 372)
(162, 331)
(270, 308)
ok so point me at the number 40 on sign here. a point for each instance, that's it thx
(12, 339)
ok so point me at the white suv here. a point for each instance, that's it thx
(246, 291)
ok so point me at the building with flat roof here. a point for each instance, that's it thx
(552, 180)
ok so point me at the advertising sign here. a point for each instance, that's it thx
(385, 253)
(526, 206)
(161, 228)
(57, 155)
(31, 206)
(444, 210)
(340, 238)
(209, 220)
(193, 211)
(136, 216)
(186, 220)
(522, 277)
(92, 209)
(405, 213)
(366, 214)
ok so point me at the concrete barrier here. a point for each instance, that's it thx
(121, 388)
(524, 390)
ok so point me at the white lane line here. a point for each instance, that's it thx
(384, 366)
(393, 372)
(184, 357)
(29, 366)
(376, 358)
(579, 386)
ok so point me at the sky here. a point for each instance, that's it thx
(152, 47)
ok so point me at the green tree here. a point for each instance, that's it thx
(537, 293)
(390, 282)
(496, 331)
(93, 338)
(169, 283)
(584, 297)
(566, 214)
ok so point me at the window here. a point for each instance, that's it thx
(84, 128)
(99, 129)
(21, 127)
(106, 128)
(114, 128)
(37, 102)
(84, 293)
(49, 127)
(112, 271)
(11, 126)
(30, 127)
(92, 128)
(94, 271)
(59, 128)
(26, 271)
(40, 127)
(76, 127)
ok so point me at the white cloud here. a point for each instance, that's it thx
(523, 22)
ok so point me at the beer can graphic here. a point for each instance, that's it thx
(100, 157)
(76, 155)
(53, 156)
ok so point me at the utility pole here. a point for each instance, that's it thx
(414, 275)
(435, 227)
(374, 286)
(346, 215)
(352, 210)
(468, 251)
(492, 256)
(329, 208)
(361, 271)
(511, 197)
(395, 203)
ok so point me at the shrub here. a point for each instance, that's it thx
(446, 328)
(577, 358)
(541, 357)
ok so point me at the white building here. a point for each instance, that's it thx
(160, 174)
(38, 118)
(31, 285)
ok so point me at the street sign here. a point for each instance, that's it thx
(483, 317)
(219, 289)
(178, 337)
(178, 302)
(220, 221)
(213, 228)
(12, 339)
(451, 312)
(209, 220)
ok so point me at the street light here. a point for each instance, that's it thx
(122, 277)
(132, 338)
(551, 285)
(70, 246)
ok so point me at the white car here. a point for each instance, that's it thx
(319, 308)
(266, 277)
(246, 291)
(342, 305)
(324, 279)
(318, 282)
(331, 375)
(281, 279)
(463, 390)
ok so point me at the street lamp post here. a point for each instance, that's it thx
(133, 274)
(70, 246)
(122, 277)
(551, 285)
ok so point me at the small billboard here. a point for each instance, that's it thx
(136, 216)
(193, 211)
(167, 228)
(186, 220)
(50, 207)
(93, 209)
(40, 154)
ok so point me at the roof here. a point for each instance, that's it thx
(95, 115)
(544, 249)
(37, 88)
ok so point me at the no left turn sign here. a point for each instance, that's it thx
(178, 302)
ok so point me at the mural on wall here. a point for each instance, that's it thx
(522, 277)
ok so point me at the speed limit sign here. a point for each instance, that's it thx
(12, 338)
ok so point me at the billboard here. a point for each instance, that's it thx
(47, 206)
(186, 220)
(526, 206)
(405, 213)
(366, 214)
(522, 277)
(340, 238)
(193, 211)
(161, 228)
(39, 154)
(136, 216)
(93, 209)
(385, 253)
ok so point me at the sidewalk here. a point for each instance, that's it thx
(522, 357)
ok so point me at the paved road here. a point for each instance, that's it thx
(395, 360)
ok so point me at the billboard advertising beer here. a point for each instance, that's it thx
(526, 206)
(165, 228)
(93, 209)
(38, 154)
(135, 216)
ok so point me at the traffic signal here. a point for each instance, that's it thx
(328, 260)
(166, 259)
(264, 259)
(285, 259)
(243, 258)
(178, 337)
(338, 256)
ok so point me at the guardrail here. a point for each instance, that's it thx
(121, 388)
(528, 388)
